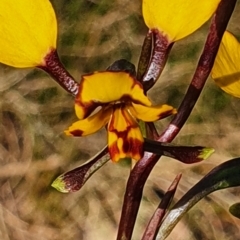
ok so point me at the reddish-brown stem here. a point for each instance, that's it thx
(133, 194)
(154, 224)
(57, 71)
(143, 168)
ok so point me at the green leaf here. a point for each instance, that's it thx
(223, 176)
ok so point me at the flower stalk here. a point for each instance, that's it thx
(57, 71)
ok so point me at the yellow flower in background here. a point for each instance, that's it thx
(177, 18)
(122, 102)
(28, 32)
(226, 68)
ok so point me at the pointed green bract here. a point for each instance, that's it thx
(206, 153)
(59, 185)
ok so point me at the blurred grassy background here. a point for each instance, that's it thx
(34, 111)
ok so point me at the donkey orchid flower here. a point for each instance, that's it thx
(226, 68)
(177, 18)
(122, 102)
(28, 32)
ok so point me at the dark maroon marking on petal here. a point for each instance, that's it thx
(166, 114)
(128, 98)
(122, 134)
(113, 149)
(126, 144)
(88, 108)
(76, 133)
(136, 82)
(130, 144)
(133, 146)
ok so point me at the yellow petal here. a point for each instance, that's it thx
(177, 18)
(124, 136)
(28, 31)
(90, 125)
(151, 114)
(105, 87)
(226, 68)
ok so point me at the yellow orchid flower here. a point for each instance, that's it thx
(28, 32)
(226, 68)
(177, 18)
(122, 102)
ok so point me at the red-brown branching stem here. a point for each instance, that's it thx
(143, 168)
(57, 71)
(155, 222)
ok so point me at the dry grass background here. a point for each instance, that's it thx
(34, 111)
